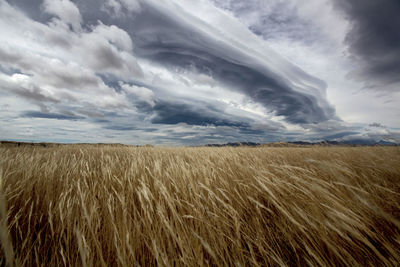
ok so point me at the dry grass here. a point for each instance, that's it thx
(121, 206)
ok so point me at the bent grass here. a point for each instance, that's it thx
(126, 206)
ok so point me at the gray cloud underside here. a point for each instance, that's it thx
(170, 113)
(374, 38)
(44, 115)
(163, 38)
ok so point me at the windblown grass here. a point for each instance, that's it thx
(121, 206)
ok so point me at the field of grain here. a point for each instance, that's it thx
(139, 206)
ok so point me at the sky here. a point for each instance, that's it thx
(195, 72)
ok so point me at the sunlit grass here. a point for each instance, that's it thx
(110, 206)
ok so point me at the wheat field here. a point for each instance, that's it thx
(83, 205)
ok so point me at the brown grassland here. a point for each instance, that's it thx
(83, 205)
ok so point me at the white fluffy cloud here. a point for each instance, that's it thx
(60, 65)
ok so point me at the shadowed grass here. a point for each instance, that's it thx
(121, 206)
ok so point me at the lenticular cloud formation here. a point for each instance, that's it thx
(183, 41)
(137, 71)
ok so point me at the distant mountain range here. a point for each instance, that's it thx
(234, 144)
(364, 142)
(354, 142)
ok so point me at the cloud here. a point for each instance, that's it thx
(376, 125)
(120, 127)
(63, 66)
(65, 10)
(271, 20)
(307, 23)
(112, 7)
(174, 113)
(163, 35)
(139, 92)
(369, 136)
(43, 115)
(374, 40)
(339, 136)
(131, 5)
(22, 85)
(171, 72)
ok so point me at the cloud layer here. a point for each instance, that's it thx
(172, 72)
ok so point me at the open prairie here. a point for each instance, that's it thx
(141, 206)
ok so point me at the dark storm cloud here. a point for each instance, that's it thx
(267, 89)
(174, 113)
(164, 39)
(374, 38)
